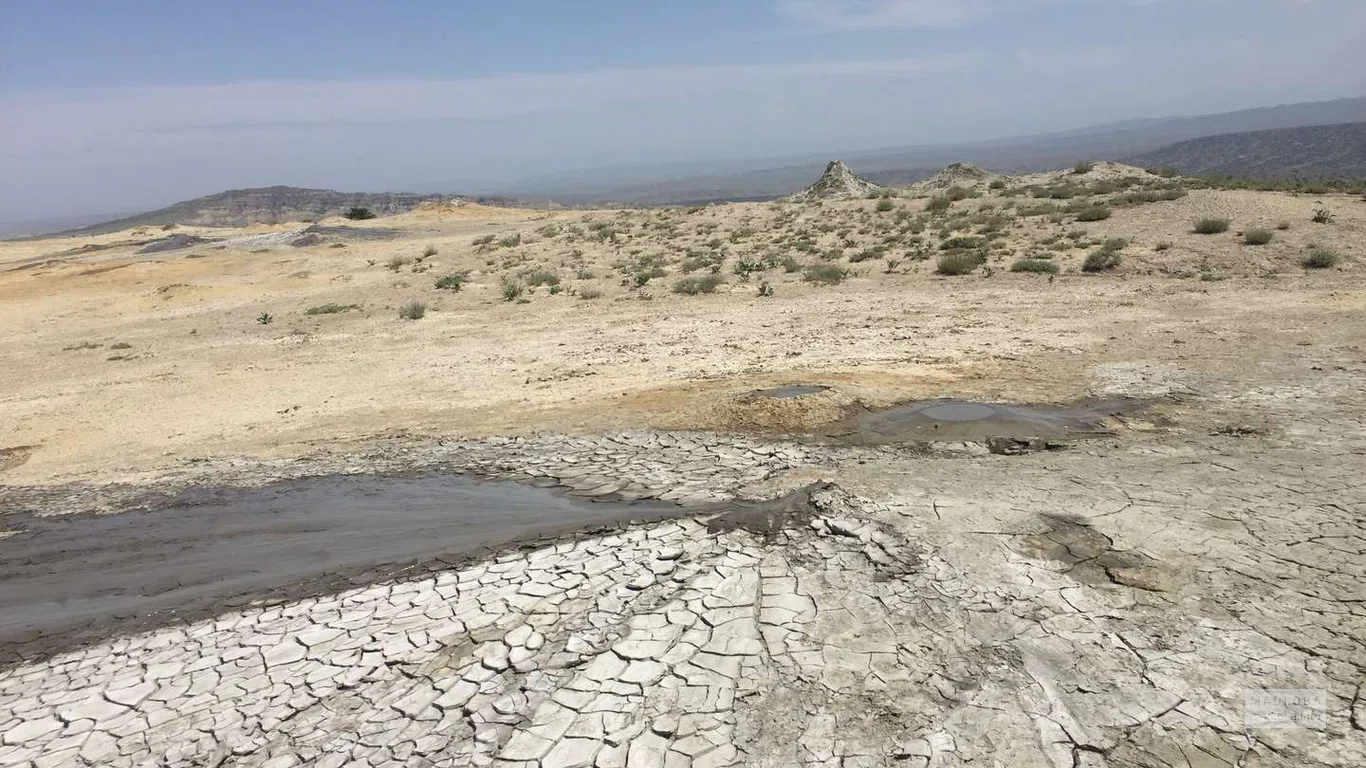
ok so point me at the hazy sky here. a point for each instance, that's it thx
(119, 106)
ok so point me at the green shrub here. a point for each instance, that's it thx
(330, 309)
(265, 318)
(537, 277)
(868, 254)
(1101, 260)
(765, 290)
(939, 204)
(1257, 236)
(884, 205)
(1211, 226)
(1094, 213)
(413, 310)
(359, 214)
(1322, 216)
(512, 289)
(962, 242)
(511, 240)
(691, 286)
(1320, 258)
(1042, 266)
(451, 282)
(958, 263)
(997, 184)
(588, 292)
(823, 274)
(1084, 167)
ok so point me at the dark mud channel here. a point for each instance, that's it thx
(70, 579)
(960, 420)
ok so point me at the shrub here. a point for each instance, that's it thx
(1100, 260)
(1282, 225)
(429, 252)
(1322, 216)
(1257, 236)
(1211, 226)
(588, 292)
(765, 290)
(264, 318)
(1162, 246)
(538, 277)
(1114, 245)
(876, 252)
(511, 240)
(512, 289)
(1042, 266)
(997, 184)
(330, 309)
(397, 262)
(358, 214)
(452, 282)
(823, 274)
(1094, 213)
(1084, 167)
(958, 263)
(691, 286)
(884, 205)
(482, 241)
(1320, 258)
(939, 204)
(961, 242)
(790, 264)
(413, 310)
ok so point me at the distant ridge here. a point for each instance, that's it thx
(261, 205)
(1321, 152)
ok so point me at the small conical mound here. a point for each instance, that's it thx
(958, 174)
(837, 183)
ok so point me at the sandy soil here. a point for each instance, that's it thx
(1112, 603)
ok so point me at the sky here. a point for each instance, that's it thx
(114, 107)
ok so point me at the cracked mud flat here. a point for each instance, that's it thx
(1038, 620)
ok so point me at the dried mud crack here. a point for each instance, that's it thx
(827, 626)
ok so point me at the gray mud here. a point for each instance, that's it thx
(959, 420)
(352, 233)
(212, 550)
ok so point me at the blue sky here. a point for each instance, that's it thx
(117, 106)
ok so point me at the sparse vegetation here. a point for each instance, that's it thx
(539, 277)
(1042, 266)
(1283, 225)
(691, 286)
(823, 274)
(512, 289)
(884, 205)
(962, 243)
(1257, 236)
(1084, 167)
(264, 318)
(958, 263)
(588, 293)
(359, 214)
(452, 282)
(397, 263)
(330, 309)
(1322, 216)
(939, 204)
(1093, 213)
(429, 252)
(413, 310)
(1106, 257)
(1211, 226)
(1320, 258)
(765, 290)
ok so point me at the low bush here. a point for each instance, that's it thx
(588, 293)
(1320, 258)
(1041, 266)
(939, 204)
(1084, 167)
(691, 286)
(1322, 216)
(538, 277)
(884, 205)
(1257, 236)
(413, 310)
(1094, 213)
(962, 242)
(823, 274)
(1211, 226)
(512, 289)
(359, 214)
(1101, 260)
(451, 282)
(958, 263)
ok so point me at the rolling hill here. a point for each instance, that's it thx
(1311, 152)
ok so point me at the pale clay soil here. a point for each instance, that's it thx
(1110, 604)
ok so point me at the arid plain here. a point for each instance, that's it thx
(985, 596)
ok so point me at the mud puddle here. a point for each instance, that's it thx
(961, 420)
(788, 392)
(211, 550)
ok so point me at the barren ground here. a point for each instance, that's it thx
(1116, 602)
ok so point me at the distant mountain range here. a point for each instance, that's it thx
(1322, 140)
(905, 165)
(1320, 152)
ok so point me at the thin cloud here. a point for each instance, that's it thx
(881, 14)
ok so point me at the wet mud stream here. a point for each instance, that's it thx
(959, 420)
(210, 551)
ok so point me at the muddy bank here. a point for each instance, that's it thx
(213, 550)
(961, 420)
